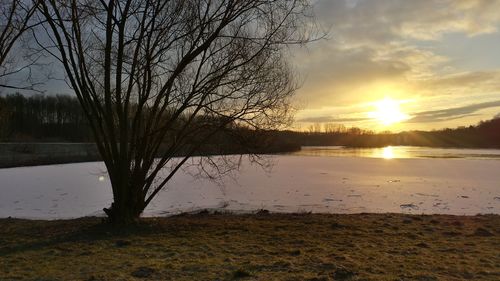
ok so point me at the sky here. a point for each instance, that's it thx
(401, 65)
(395, 65)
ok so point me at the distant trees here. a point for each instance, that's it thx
(332, 128)
(158, 77)
(42, 118)
(485, 134)
(4, 118)
(59, 118)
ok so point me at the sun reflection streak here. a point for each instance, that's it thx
(388, 152)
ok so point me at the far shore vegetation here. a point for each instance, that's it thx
(59, 118)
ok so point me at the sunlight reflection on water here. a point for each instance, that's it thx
(398, 152)
(387, 152)
(390, 152)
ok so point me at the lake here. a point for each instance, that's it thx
(399, 152)
(317, 179)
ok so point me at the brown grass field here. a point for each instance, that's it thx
(258, 246)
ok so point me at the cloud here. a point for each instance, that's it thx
(471, 81)
(335, 74)
(428, 116)
(404, 50)
(382, 21)
(372, 42)
(451, 113)
(331, 119)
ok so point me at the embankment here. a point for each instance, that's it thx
(30, 154)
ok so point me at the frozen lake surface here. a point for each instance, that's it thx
(399, 152)
(297, 183)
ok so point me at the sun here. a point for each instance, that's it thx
(388, 112)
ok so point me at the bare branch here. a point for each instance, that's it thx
(161, 79)
(15, 19)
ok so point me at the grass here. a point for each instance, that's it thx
(255, 247)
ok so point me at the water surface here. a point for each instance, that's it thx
(399, 152)
(459, 186)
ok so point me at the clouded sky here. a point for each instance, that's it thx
(438, 60)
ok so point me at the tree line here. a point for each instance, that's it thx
(59, 118)
(485, 134)
(55, 118)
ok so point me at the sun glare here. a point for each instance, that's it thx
(388, 112)
(387, 152)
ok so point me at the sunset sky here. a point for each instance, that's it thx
(395, 65)
(432, 63)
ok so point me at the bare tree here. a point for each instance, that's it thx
(158, 79)
(15, 20)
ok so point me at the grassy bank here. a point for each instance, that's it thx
(255, 247)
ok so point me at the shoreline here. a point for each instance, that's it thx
(263, 246)
(14, 155)
(236, 213)
(30, 154)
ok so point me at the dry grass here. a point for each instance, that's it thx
(254, 247)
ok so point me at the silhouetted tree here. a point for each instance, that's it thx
(158, 77)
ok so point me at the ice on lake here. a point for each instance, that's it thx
(296, 183)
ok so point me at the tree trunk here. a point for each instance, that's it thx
(122, 216)
(127, 206)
